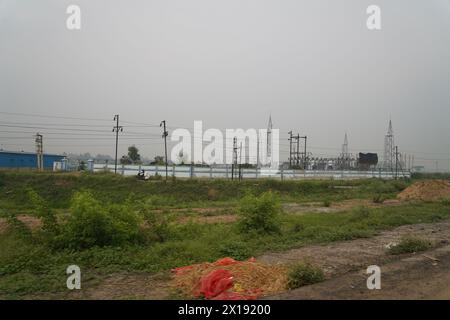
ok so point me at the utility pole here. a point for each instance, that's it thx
(290, 148)
(396, 162)
(39, 152)
(164, 135)
(304, 153)
(116, 129)
(297, 160)
(240, 161)
(234, 157)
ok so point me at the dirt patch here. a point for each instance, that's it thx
(203, 211)
(227, 218)
(341, 257)
(127, 286)
(31, 222)
(317, 207)
(420, 276)
(426, 190)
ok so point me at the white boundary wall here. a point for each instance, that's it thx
(225, 172)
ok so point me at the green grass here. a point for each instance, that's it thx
(29, 266)
(304, 274)
(410, 245)
(57, 189)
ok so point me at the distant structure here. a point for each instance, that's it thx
(15, 160)
(345, 157)
(389, 149)
(367, 161)
(39, 152)
(269, 139)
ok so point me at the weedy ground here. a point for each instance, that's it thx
(107, 224)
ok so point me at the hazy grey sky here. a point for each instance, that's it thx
(312, 64)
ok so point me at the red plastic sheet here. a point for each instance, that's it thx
(216, 283)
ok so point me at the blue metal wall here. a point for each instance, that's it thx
(26, 160)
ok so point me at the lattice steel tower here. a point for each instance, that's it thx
(345, 156)
(389, 149)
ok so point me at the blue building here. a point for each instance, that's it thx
(13, 159)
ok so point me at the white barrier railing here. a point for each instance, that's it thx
(225, 172)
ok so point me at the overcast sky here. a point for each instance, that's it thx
(312, 64)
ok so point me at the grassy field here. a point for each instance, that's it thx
(107, 224)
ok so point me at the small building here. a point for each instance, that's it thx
(15, 159)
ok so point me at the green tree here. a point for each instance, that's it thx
(133, 154)
(159, 161)
(125, 160)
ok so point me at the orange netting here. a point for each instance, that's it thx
(229, 279)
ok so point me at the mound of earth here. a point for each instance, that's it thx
(426, 190)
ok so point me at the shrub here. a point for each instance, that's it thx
(212, 194)
(304, 274)
(327, 203)
(379, 198)
(445, 201)
(259, 214)
(94, 224)
(157, 224)
(360, 213)
(234, 249)
(49, 223)
(410, 245)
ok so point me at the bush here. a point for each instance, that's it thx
(45, 213)
(234, 249)
(445, 201)
(156, 222)
(91, 223)
(327, 203)
(259, 214)
(379, 198)
(304, 274)
(359, 214)
(410, 245)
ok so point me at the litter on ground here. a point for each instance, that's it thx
(229, 279)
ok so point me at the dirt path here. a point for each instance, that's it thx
(416, 277)
(344, 264)
(342, 257)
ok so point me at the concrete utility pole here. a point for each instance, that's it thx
(240, 161)
(304, 153)
(290, 148)
(164, 135)
(39, 152)
(396, 162)
(116, 129)
(234, 163)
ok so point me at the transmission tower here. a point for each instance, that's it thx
(389, 149)
(345, 157)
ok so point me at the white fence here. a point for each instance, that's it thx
(226, 172)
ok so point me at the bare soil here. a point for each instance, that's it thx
(317, 207)
(426, 190)
(31, 222)
(412, 276)
(420, 276)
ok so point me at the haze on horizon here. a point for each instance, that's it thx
(312, 65)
